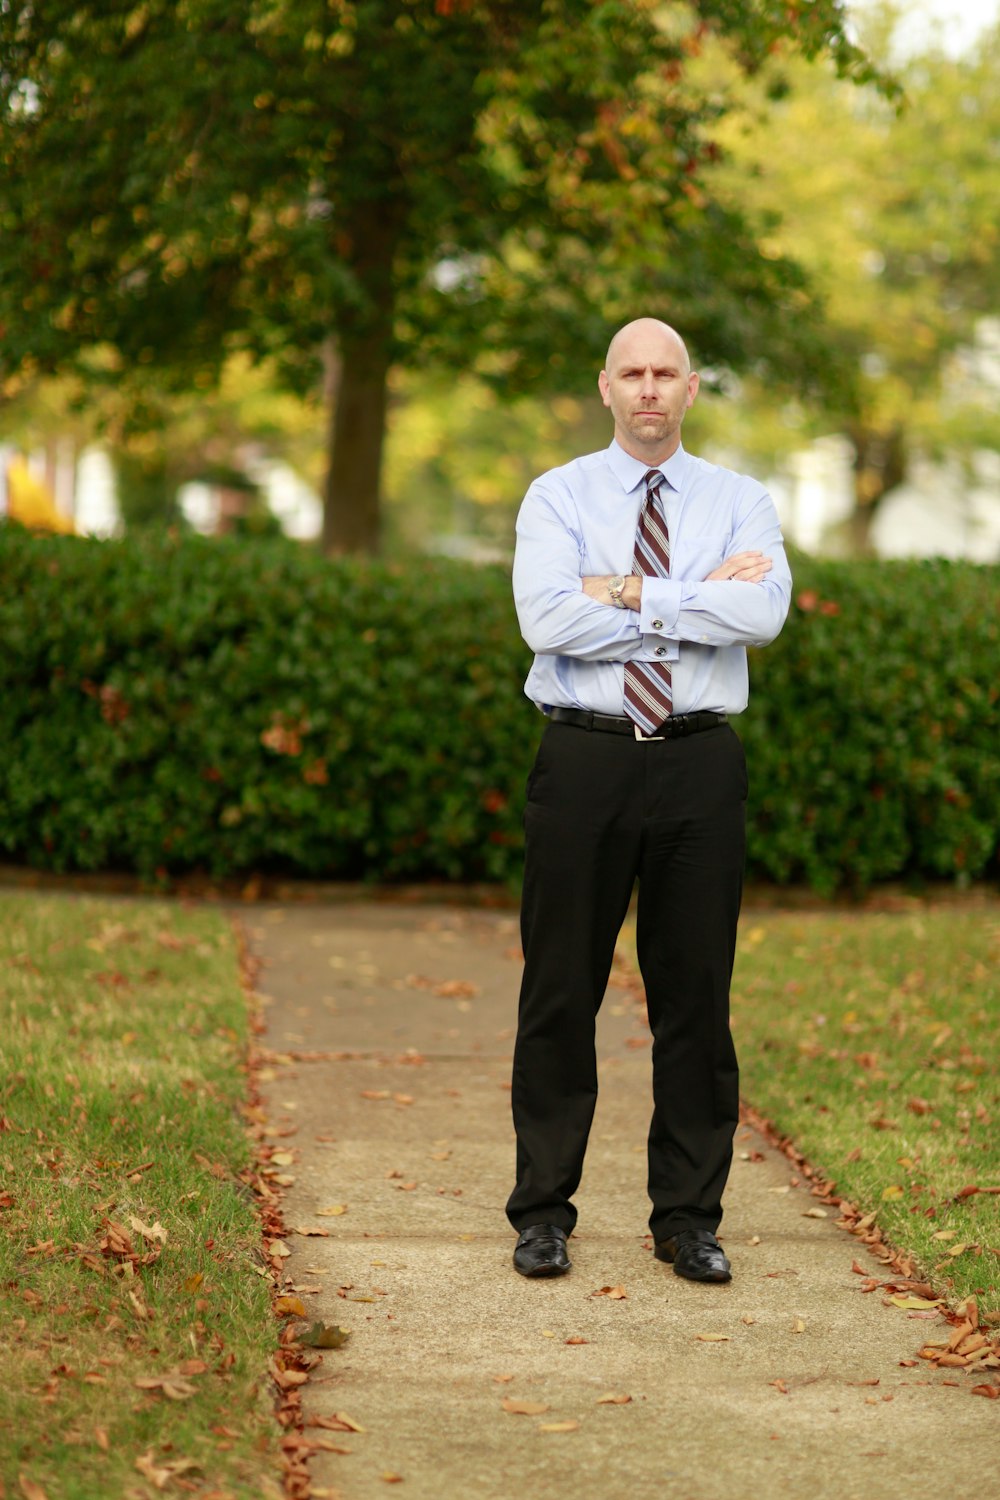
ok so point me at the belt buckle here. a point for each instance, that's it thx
(646, 739)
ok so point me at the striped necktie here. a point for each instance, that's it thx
(648, 693)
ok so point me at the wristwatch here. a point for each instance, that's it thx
(615, 586)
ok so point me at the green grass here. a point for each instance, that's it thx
(872, 1040)
(123, 1032)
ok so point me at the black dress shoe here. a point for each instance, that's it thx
(696, 1254)
(541, 1251)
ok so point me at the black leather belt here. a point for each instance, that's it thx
(674, 727)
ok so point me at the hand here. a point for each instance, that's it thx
(743, 567)
(596, 587)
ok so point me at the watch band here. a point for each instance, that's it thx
(615, 586)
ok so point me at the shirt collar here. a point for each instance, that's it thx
(629, 471)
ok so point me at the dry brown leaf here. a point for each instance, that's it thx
(389, 1476)
(748, 1318)
(712, 1338)
(614, 1293)
(992, 1392)
(307, 1229)
(503, 1379)
(148, 1231)
(287, 1307)
(332, 1212)
(519, 1408)
(29, 1489)
(568, 1426)
(101, 1439)
(799, 1326)
(174, 1387)
(814, 1213)
(576, 1339)
(611, 1398)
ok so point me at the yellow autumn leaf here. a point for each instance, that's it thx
(332, 1211)
(568, 1426)
(290, 1307)
(892, 1191)
(916, 1303)
(713, 1338)
(956, 1249)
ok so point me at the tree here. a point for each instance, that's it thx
(341, 185)
(893, 215)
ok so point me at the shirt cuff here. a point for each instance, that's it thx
(660, 606)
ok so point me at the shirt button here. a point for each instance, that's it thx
(661, 651)
(657, 624)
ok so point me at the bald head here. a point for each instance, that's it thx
(648, 330)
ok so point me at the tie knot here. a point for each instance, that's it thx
(653, 479)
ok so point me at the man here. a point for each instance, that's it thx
(641, 574)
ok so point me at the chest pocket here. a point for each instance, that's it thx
(698, 556)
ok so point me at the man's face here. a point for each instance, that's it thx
(648, 388)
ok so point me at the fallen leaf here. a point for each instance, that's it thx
(615, 1293)
(748, 1318)
(290, 1307)
(174, 1387)
(944, 1234)
(389, 1476)
(916, 1302)
(576, 1339)
(799, 1326)
(306, 1229)
(892, 1191)
(375, 1093)
(569, 1426)
(992, 1392)
(612, 1399)
(29, 1489)
(814, 1213)
(148, 1231)
(519, 1408)
(713, 1338)
(325, 1336)
(956, 1249)
(278, 1247)
(780, 1385)
(332, 1211)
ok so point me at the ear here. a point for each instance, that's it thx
(604, 386)
(694, 382)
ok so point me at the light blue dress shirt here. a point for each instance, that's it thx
(581, 519)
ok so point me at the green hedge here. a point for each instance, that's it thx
(177, 705)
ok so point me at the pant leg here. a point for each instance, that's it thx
(690, 886)
(582, 835)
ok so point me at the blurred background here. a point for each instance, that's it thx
(824, 227)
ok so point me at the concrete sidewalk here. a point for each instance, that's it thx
(404, 1119)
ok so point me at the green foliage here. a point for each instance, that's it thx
(469, 181)
(176, 704)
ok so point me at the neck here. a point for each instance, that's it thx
(650, 454)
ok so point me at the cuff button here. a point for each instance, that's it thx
(657, 624)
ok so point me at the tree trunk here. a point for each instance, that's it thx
(352, 495)
(879, 466)
(351, 499)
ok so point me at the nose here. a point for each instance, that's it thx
(648, 384)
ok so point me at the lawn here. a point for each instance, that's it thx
(134, 1308)
(871, 1038)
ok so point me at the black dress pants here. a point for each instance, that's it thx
(602, 811)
